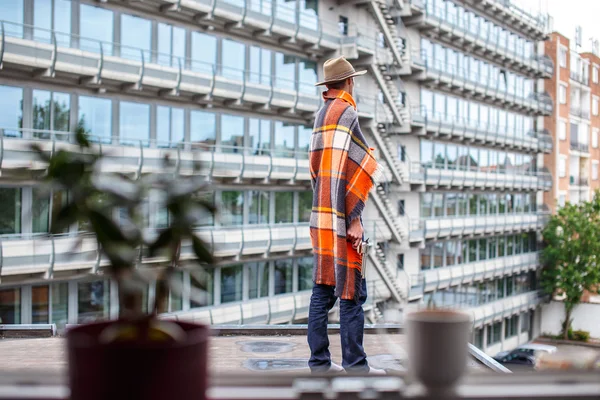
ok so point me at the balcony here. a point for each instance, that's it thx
(500, 309)
(580, 147)
(476, 38)
(460, 176)
(460, 226)
(436, 124)
(579, 76)
(43, 255)
(87, 62)
(579, 181)
(579, 111)
(441, 278)
(449, 78)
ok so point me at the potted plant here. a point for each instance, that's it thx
(137, 356)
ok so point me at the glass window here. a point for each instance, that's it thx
(426, 256)
(232, 207)
(60, 303)
(284, 139)
(509, 286)
(204, 53)
(10, 306)
(233, 59)
(170, 129)
(305, 273)
(492, 247)
(473, 204)
(482, 249)
(96, 29)
(305, 200)
(500, 288)
(231, 283)
(451, 156)
(41, 110)
(134, 123)
(284, 207)
(451, 255)
(95, 117)
(171, 45)
(136, 37)
(501, 246)
(10, 210)
(232, 133)
(259, 136)
(259, 207)
(40, 304)
(304, 137)
(438, 254)
(260, 65)
(426, 205)
(439, 155)
(203, 129)
(438, 205)
(450, 204)
(285, 71)
(462, 201)
(258, 275)
(510, 245)
(283, 276)
(427, 153)
(202, 283)
(11, 110)
(93, 301)
(40, 210)
(307, 74)
(472, 250)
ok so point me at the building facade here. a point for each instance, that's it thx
(575, 123)
(453, 104)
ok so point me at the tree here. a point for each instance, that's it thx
(571, 254)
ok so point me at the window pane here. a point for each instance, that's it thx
(61, 111)
(40, 304)
(96, 25)
(304, 136)
(10, 306)
(260, 66)
(259, 136)
(60, 304)
(305, 200)
(283, 276)
(231, 284)
(204, 53)
(136, 37)
(284, 207)
(285, 71)
(307, 76)
(202, 129)
(284, 139)
(232, 133)
(11, 110)
(232, 203)
(202, 287)
(259, 207)
(95, 116)
(305, 272)
(40, 210)
(134, 123)
(163, 126)
(93, 301)
(41, 110)
(258, 273)
(234, 59)
(10, 211)
(175, 294)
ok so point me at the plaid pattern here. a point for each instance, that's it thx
(343, 171)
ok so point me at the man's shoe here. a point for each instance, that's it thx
(376, 371)
(335, 369)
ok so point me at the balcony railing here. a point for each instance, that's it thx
(485, 177)
(578, 146)
(579, 180)
(580, 77)
(481, 36)
(441, 124)
(458, 226)
(447, 74)
(579, 111)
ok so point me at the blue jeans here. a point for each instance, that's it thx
(352, 326)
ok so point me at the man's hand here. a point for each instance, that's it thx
(354, 233)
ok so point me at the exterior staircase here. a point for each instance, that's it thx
(382, 266)
(387, 24)
(383, 204)
(384, 145)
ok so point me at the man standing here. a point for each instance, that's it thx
(343, 171)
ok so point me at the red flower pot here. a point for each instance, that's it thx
(137, 369)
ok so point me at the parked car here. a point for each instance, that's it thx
(517, 358)
(529, 348)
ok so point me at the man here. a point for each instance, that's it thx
(343, 171)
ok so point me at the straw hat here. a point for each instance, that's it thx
(338, 69)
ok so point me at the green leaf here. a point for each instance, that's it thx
(81, 137)
(66, 217)
(107, 231)
(201, 250)
(163, 240)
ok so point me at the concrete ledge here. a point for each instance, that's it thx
(569, 342)
(290, 330)
(27, 331)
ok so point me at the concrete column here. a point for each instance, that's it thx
(26, 304)
(73, 305)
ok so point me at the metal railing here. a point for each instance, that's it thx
(580, 77)
(578, 146)
(579, 180)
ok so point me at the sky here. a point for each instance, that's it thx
(567, 14)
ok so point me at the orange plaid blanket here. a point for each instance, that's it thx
(343, 171)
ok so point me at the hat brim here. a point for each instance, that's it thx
(353, 74)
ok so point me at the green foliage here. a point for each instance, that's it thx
(94, 198)
(579, 335)
(571, 254)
